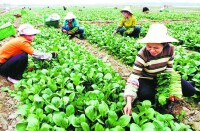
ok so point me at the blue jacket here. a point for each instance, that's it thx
(75, 25)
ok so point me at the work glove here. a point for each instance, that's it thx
(54, 55)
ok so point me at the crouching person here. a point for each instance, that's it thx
(14, 54)
(71, 26)
(127, 26)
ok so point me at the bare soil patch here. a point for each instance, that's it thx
(120, 68)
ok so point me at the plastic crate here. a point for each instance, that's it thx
(52, 23)
(7, 30)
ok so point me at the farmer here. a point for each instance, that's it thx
(71, 26)
(156, 57)
(14, 54)
(164, 9)
(127, 24)
(145, 10)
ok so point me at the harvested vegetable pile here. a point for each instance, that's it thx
(169, 84)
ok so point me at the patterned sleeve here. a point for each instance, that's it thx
(132, 83)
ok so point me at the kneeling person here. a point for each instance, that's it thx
(71, 26)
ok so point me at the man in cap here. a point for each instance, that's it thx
(14, 54)
(71, 26)
(127, 24)
(156, 57)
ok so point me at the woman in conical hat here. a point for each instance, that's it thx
(71, 26)
(127, 24)
(14, 54)
(156, 57)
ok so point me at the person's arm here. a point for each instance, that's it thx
(128, 107)
(171, 61)
(42, 56)
(134, 21)
(65, 23)
(121, 24)
(132, 84)
(130, 93)
(26, 47)
(64, 26)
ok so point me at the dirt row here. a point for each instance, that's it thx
(140, 22)
(8, 110)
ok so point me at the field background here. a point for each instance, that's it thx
(84, 85)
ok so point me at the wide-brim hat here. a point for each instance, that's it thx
(69, 16)
(27, 29)
(127, 8)
(157, 33)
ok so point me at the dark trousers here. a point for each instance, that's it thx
(147, 90)
(135, 33)
(15, 66)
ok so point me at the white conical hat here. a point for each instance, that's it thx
(69, 16)
(127, 8)
(157, 33)
(27, 29)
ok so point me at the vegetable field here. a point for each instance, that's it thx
(82, 89)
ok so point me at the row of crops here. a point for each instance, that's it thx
(77, 91)
(186, 30)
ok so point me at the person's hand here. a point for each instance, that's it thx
(54, 55)
(173, 98)
(64, 31)
(128, 107)
(70, 33)
(115, 32)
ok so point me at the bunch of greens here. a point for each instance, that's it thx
(169, 84)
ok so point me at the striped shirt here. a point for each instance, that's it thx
(147, 66)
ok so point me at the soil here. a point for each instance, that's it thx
(8, 111)
(140, 22)
(192, 115)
